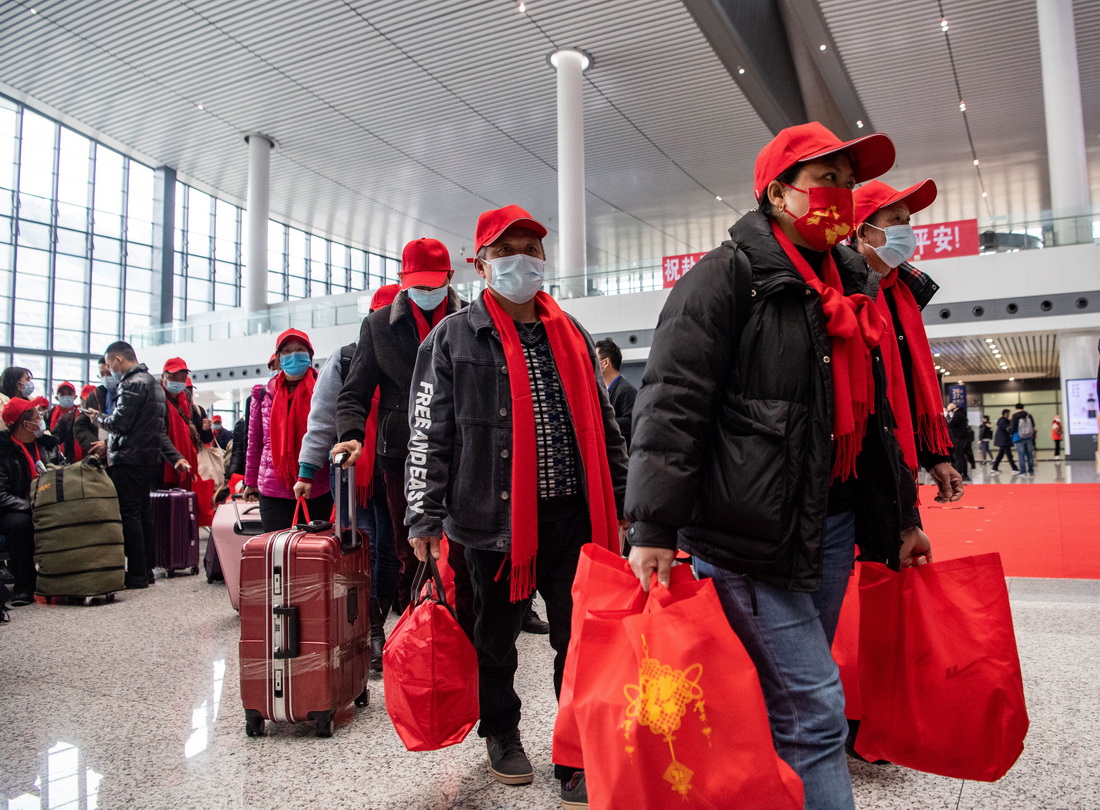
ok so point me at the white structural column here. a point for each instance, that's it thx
(259, 204)
(1069, 176)
(1077, 358)
(572, 235)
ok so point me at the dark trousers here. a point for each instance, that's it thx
(958, 460)
(277, 514)
(17, 531)
(374, 519)
(1057, 447)
(133, 483)
(563, 528)
(1004, 451)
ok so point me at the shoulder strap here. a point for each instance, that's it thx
(346, 353)
(742, 296)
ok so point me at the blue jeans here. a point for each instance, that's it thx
(788, 635)
(1026, 450)
(374, 519)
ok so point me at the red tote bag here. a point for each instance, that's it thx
(846, 646)
(939, 672)
(429, 671)
(604, 581)
(671, 713)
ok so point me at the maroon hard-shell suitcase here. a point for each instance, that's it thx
(176, 526)
(305, 623)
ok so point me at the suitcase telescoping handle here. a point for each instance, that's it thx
(350, 539)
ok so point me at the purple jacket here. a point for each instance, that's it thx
(259, 469)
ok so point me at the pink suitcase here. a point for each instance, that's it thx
(234, 524)
(305, 623)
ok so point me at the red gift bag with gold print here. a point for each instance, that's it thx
(670, 711)
(939, 671)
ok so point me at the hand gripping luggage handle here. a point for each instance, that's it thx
(350, 539)
(291, 626)
(426, 581)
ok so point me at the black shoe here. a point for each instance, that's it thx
(135, 583)
(850, 745)
(151, 578)
(574, 793)
(508, 762)
(21, 599)
(532, 623)
(377, 637)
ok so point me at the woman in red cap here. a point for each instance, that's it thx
(276, 427)
(885, 239)
(23, 452)
(763, 442)
(62, 420)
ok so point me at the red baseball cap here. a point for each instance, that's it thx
(870, 155)
(87, 389)
(174, 364)
(216, 418)
(425, 263)
(14, 410)
(288, 335)
(876, 195)
(64, 385)
(491, 224)
(384, 296)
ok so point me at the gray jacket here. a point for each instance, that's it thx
(459, 472)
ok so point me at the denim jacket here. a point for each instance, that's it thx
(459, 474)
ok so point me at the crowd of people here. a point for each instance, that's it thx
(789, 401)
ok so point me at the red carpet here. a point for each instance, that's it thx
(1041, 530)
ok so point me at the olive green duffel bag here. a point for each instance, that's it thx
(77, 531)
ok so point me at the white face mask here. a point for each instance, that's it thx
(901, 244)
(518, 277)
(428, 300)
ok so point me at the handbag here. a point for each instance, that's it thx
(429, 669)
(939, 673)
(846, 646)
(212, 464)
(670, 710)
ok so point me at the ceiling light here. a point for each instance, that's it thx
(989, 340)
(33, 11)
(741, 71)
(976, 161)
(859, 124)
(985, 194)
(937, 354)
(822, 47)
(947, 374)
(1010, 379)
(522, 8)
(199, 105)
(962, 106)
(943, 25)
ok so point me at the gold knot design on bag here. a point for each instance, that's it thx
(659, 701)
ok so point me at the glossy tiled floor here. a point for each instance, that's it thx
(136, 705)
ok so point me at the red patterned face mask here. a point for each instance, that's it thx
(829, 219)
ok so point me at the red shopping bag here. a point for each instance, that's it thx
(204, 497)
(604, 581)
(670, 710)
(429, 671)
(939, 672)
(846, 646)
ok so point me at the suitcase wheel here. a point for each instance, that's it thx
(363, 699)
(325, 724)
(169, 573)
(253, 723)
(110, 598)
(194, 570)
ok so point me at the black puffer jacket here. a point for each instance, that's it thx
(138, 426)
(732, 444)
(383, 361)
(15, 474)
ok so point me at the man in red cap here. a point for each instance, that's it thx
(763, 441)
(62, 420)
(885, 239)
(515, 453)
(23, 450)
(383, 364)
(188, 426)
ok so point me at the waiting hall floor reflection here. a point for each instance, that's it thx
(137, 705)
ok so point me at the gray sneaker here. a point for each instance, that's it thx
(574, 793)
(508, 762)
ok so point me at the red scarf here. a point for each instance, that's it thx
(931, 428)
(570, 351)
(854, 328)
(31, 462)
(289, 414)
(179, 432)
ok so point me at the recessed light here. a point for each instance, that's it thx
(522, 8)
(962, 106)
(976, 162)
(937, 354)
(943, 25)
(989, 340)
(1010, 379)
(741, 71)
(822, 47)
(859, 124)
(718, 197)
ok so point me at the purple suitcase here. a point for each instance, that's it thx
(176, 526)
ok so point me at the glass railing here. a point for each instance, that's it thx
(996, 235)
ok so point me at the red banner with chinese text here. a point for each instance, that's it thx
(674, 267)
(940, 240)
